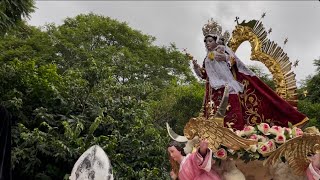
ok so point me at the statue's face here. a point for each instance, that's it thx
(210, 43)
(316, 160)
(174, 153)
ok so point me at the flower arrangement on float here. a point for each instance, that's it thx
(268, 138)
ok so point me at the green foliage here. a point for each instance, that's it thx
(178, 104)
(313, 88)
(92, 80)
(12, 11)
(316, 62)
(314, 122)
(311, 85)
(309, 97)
(311, 110)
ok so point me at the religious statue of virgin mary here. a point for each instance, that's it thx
(251, 101)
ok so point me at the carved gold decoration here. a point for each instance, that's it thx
(311, 130)
(270, 54)
(215, 134)
(251, 103)
(296, 152)
(212, 129)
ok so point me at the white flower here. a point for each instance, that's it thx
(264, 128)
(254, 137)
(248, 130)
(263, 148)
(280, 138)
(275, 130)
(252, 148)
(271, 145)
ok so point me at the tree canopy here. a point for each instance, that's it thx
(89, 81)
(12, 13)
(309, 96)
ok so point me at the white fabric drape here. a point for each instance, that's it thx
(219, 75)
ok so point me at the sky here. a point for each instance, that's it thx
(181, 22)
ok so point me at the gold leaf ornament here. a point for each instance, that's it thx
(211, 56)
(270, 54)
(215, 134)
(296, 152)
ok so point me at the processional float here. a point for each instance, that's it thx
(293, 149)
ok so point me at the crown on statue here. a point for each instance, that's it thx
(213, 28)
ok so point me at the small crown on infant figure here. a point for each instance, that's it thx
(213, 28)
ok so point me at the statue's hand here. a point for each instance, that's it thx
(195, 64)
(203, 147)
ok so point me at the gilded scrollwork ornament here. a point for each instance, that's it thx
(270, 54)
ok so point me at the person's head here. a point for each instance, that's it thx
(210, 42)
(221, 41)
(175, 150)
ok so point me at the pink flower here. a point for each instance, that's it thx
(276, 130)
(254, 137)
(263, 148)
(221, 154)
(264, 128)
(296, 132)
(271, 145)
(280, 138)
(248, 130)
(299, 132)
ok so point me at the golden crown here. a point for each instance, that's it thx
(213, 28)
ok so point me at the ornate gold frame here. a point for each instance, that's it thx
(270, 54)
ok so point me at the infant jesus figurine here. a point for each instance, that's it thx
(221, 50)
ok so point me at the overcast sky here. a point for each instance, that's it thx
(181, 22)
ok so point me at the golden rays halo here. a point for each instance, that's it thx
(270, 54)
